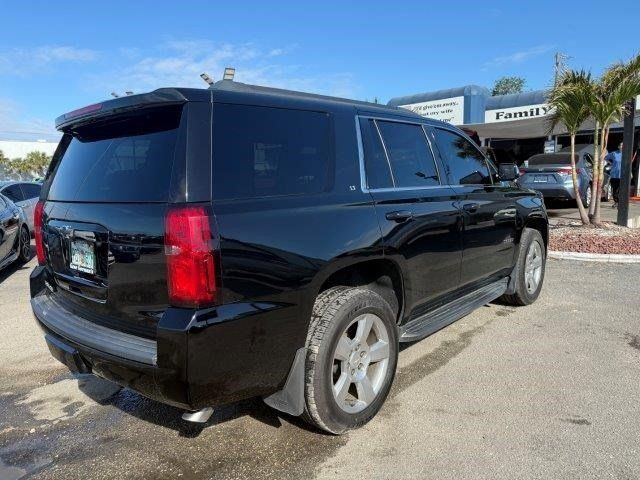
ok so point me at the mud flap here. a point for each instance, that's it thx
(291, 398)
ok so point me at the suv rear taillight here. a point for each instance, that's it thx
(37, 223)
(191, 272)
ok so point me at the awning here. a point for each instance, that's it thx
(528, 128)
(522, 128)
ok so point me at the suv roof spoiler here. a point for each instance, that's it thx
(162, 96)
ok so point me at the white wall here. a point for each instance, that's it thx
(17, 149)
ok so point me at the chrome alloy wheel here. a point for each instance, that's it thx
(25, 243)
(533, 267)
(360, 363)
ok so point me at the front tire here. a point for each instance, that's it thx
(24, 246)
(529, 269)
(352, 353)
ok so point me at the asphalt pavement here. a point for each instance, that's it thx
(549, 391)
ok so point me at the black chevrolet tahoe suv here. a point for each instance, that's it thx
(204, 246)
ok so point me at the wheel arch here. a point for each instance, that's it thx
(381, 274)
(540, 223)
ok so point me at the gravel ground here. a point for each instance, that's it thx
(545, 391)
(610, 238)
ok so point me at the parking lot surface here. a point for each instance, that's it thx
(546, 391)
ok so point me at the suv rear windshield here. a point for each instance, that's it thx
(551, 159)
(124, 159)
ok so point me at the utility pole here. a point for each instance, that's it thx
(627, 160)
(558, 59)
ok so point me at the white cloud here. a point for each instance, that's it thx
(24, 61)
(15, 127)
(180, 63)
(520, 56)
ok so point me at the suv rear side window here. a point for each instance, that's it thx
(125, 159)
(467, 165)
(375, 160)
(264, 151)
(409, 153)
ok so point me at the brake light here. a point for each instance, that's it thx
(37, 222)
(96, 107)
(522, 171)
(191, 277)
(567, 171)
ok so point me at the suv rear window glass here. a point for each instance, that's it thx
(411, 159)
(125, 159)
(264, 151)
(467, 165)
(13, 193)
(551, 159)
(31, 190)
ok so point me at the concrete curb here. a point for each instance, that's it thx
(594, 257)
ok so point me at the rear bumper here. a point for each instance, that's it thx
(556, 191)
(199, 358)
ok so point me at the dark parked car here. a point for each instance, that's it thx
(15, 238)
(25, 195)
(207, 246)
(550, 174)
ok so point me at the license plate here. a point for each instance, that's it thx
(540, 179)
(83, 257)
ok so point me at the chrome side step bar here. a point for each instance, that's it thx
(434, 320)
(201, 416)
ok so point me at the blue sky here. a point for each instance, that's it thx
(57, 56)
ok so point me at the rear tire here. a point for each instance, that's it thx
(529, 269)
(352, 353)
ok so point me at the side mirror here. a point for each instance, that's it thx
(508, 171)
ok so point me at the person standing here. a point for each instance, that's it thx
(615, 159)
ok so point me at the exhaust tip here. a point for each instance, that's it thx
(201, 416)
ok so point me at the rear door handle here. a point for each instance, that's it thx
(470, 207)
(399, 216)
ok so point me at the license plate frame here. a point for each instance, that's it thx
(82, 256)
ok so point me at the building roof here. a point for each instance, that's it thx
(534, 97)
(439, 94)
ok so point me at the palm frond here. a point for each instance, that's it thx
(570, 99)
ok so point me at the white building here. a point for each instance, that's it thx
(19, 149)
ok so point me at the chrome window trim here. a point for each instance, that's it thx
(386, 154)
(363, 175)
(463, 135)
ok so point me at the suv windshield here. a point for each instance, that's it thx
(125, 159)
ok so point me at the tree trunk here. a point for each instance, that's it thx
(596, 166)
(600, 180)
(574, 176)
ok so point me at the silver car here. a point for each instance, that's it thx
(550, 174)
(25, 195)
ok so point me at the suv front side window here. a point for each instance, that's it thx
(466, 164)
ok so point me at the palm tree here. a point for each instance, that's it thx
(607, 104)
(570, 108)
